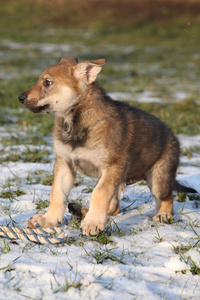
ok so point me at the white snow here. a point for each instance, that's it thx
(43, 47)
(175, 264)
(121, 96)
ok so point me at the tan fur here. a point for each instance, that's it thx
(164, 208)
(101, 138)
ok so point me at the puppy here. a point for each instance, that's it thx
(102, 138)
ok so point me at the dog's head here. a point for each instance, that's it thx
(60, 87)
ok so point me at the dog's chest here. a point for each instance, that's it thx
(86, 161)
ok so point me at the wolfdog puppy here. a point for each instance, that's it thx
(102, 138)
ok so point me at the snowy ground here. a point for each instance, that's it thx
(141, 259)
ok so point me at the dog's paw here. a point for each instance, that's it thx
(93, 225)
(42, 220)
(162, 217)
(38, 221)
(78, 210)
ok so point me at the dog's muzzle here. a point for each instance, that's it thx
(22, 98)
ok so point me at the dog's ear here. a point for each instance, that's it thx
(89, 70)
(73, 60)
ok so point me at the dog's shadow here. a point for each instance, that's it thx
(139, 213)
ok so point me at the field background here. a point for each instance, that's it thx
(152, 49)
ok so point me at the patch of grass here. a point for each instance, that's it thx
(142, 183)
(127, 208)
(66, 285)
(87, 190)
(181, 249)
(12, 193)
(102, 238)
(29, 155)
(27, 247)
(79, 180)
(182, 117)
(170, 220)
(42, 204)
(181, 197)
(48, 180)
(101, 255)
(74, 224)
(197, 235)
(158, 237)
(189, 151)
(23, 140)
(194, 269)
(7, 268)
(33, 178)
(4, 248)
(70, 240)
(194, 197)
(111, 229)
(42, 177)
(6, 210)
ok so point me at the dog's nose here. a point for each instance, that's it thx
(22, 97)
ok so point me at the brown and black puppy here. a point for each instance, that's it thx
(101, 138)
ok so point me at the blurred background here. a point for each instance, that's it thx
(152, 49)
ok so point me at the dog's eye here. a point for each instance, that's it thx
(47, 83)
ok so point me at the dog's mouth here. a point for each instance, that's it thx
(40, 109)
(33, 106)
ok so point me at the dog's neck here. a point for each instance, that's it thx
(85, 103)
(73, 126)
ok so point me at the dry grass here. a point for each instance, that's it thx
(120, 13)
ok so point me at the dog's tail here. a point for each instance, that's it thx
(183, 189)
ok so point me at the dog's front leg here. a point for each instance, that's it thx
(64, 176)
(96, 218)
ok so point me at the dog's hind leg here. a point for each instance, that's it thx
(160, 179)
(114, 204)
(78, 210)
(164, 209)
